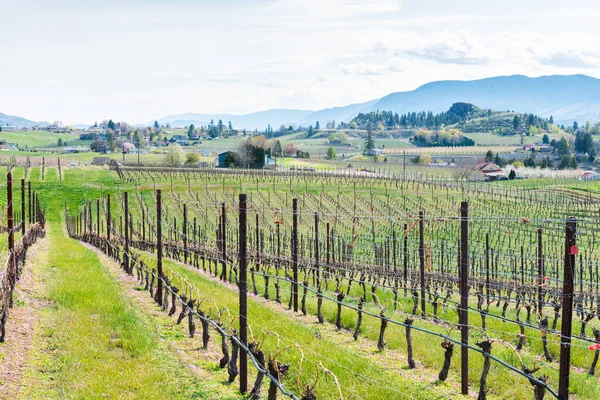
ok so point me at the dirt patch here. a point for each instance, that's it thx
(28, 301)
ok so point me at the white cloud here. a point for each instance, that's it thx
(84, 61)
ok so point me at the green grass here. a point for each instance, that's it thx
(93, 343)
(33, 139)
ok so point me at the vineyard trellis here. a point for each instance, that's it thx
(31, 230)
(506, 282)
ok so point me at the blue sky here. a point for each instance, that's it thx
(133, 60)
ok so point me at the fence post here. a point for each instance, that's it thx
(422, 261)
(540, 274)
(30, 204)
(108, 217)
(98, 217)
(223, 243)
(23, 207)
(487, 266)
(317, 268)
(295, 253)
(567, 308)
(159, 254)
(9, 216)
(243, 288)
(185, 233)
(126, 252)
(464, 296)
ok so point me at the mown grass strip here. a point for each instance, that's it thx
(94, 344)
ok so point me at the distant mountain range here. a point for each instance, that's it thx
(19, 122)
(567, 98)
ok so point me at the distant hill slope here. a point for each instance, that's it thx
(337, 114)
(257, 120)
(567, 98)
(19, 122)
(465, 116)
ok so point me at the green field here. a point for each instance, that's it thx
(32, 139)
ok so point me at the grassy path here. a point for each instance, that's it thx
(91, 342)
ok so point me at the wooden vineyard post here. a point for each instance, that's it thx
(540, 260)
(30, 203)
(464, 296)
(487, 266)
(327, 245)
(317, 268)
(243, 288)
(405, 258)
(159, 255)
(108, 217)
(185, 233)
(23, 207)
(422, 261)
(295, 253)
(9, 217)
(98, 217)
(126, 252)
(223, 243)
(567, 308)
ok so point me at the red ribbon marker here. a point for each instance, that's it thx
(573, 250)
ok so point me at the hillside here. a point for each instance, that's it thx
(19, 122)
(257, 120)
(466, 117)
(567, 98)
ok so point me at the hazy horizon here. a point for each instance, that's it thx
(79, 61)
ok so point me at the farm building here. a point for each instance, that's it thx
(374, 152)
(100, 160)
(590, 176)
(8, 146)
(485, 171)
(226, 159)
(76, 149)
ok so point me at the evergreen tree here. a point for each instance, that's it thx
(110, 141)
(530, 161)
(516, 122)
(156, 126)
(369, 142)
(562, 147)
(499, 161)
(191, 131)
(111, 125)
(545, 138)
(317, 126)
(512, 174)
(277, 150)
(489, 156)
(229, 126)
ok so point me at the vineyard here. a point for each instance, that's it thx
(322, 285)
(383, 259)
